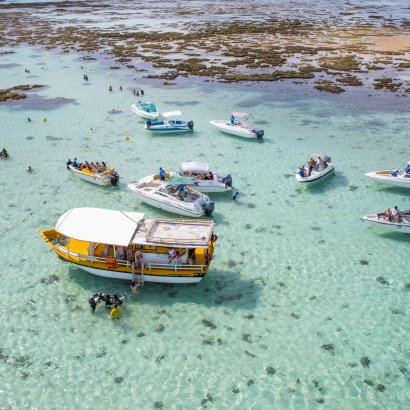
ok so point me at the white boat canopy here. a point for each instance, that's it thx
(195, 166)
(99, 225)
(171, 114)
(240, 114)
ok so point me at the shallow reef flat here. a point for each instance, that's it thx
(348, 45)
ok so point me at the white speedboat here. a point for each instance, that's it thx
(318, 167)
(397, 177)
(197, 176)
(107, 177)
(145, 110)
(238, 125)
(169, 126)
(385, 222)
(170, 198)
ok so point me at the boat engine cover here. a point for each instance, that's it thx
(209, 207)
(227, 180)
(259, 133)
(114, 177)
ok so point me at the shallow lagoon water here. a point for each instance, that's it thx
(305, 306)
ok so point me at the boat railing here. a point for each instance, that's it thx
(120, 262)
(176, 267)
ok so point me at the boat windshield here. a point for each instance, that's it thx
(148, 107)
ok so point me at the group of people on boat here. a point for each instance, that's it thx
(183, 257)
(135, 257)
(393, 215)
(320, 164)
(4, 153)
(397, 172)
(96, 168)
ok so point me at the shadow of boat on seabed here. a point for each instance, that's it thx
(217, 288)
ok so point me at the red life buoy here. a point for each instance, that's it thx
(214, 237)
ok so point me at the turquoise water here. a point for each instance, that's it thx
(305, 306)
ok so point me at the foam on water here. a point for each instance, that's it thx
(304, 303)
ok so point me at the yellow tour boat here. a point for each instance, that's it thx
(123, 245)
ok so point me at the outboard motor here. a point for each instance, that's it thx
(114, 177)
(227, 180)
(259, 133)
(209, 207)
(191, 125)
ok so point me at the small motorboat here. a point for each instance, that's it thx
(398, 177)
(196, 175)
(145, 110)
(174, 197)
(238, 125)
(318, 167)
(169, 126)
(385, 220)
(106, 176)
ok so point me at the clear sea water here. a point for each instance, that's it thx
(305, 306)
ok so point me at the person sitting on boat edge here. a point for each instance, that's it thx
(75, 163)
(68, 163)
(148, 123)
(395, 213)
(395, 173)
(161, 174)
(232, 120)
(387, 215)
(302, 171)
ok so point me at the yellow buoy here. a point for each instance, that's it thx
(127, 138)
(115, 312)
(44, 119)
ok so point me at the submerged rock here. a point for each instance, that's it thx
(383, 281)
(328, 346)
(365, 361)
(380, 388)
(208, 323)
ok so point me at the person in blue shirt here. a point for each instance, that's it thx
(395, 173)
(181, 191)
(407, 170)
(302, 171)
(75, 163)
(161, 174)
(232, 120)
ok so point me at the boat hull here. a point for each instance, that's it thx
(204, 186)
(316, 178)
(384, 177)
(176, 208)
(401, 227)
(144, 114)
(93, 179)
(223, 126)
(200, 187)
(147, 277)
